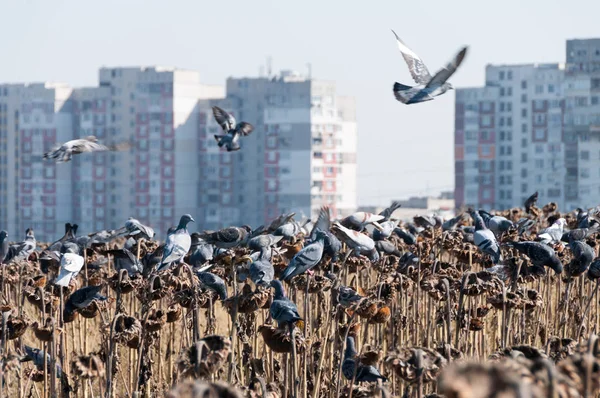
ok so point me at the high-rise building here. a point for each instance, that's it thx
(302, 154)
(532, 128)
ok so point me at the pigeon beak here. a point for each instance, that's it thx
(192, 220)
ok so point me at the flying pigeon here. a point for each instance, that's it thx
(553, 233)
(70, 266)
(231, 128)
(178, 243)
(64, 153)
(485, 239)
(427, 87)
(388, 211)
(213, 282)
(228, 238)
(306, 258)
(363, 373)
(539, 253)
(283, 310)
(531, 202)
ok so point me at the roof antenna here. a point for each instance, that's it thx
(269, 66)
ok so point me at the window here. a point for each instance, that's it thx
(539, 163)
(553, 193)
(523, 173)
(523, 128)
(486, 121)
(509, 91)
(486, 194)
(539, 134)
(550, 88)
(538, 179)
(49, 172)
(524, 157)
(502, 107)
(523, 84)
(501, 75)
(524, 112)
(584, 155)
(539, 149)
(502, 91)
(524, 142)
(523, 98)
(509, 75)
(585, 173)
(509, 121)
(539, 89)
(524, 188)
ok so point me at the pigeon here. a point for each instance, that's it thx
(3, 246)
(357, 241)
(22, 250)
(553, 233)
(70, 266)
(261, 272)
(361, 219)
(524, 225)
(332, 244)
(594, 270)
(213, 282)
(539, 254)
(585, 219)
(305, 259)
(135, 228)
(387, 247)
(279, 221)
(387, 229)
(427, 87)
(82, 299)
(406, 236)
(37, 356)
(64, 153)
(283, 310)
(231, 128)
(388, 211)
(178, 243)
(363, 373)
(228, 238)
(348, 297)
(531, 202)
(580, 233)
(263, 241)
(485, 239)
(425, 221)
(583, 255)
(201, 251)
(125, 259)
(450, 224)
(288, 230)
(497, 224)
(56, 246)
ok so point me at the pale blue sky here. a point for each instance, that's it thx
(403, 150)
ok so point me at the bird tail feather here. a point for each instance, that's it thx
(401, 87)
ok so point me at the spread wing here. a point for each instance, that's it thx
(245, 128)
(225, 120)
(416, 66)
(444, 74)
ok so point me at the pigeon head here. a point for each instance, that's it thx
(3, 235)
(29, 233)
(247, 228)
(279, 292)
(320, 235)
(555, 264)
(91, 138)
(185, 220)
(450, 86)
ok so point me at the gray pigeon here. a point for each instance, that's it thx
(64, 153)
(388, 211)
(22, 250)
(347, 297)
(227, 238)
(580, 233)
(3, 246)
(361, 219)
(332, 244)
(178, 244)
(125, 259)
(387, 229)
(305, 259)
(263, 241)
(524, 225)
(283, 310)
(135, 228)
(214, 283)
(583, 255)
(358, 242)
(261, 272)
(450, 224)
(497, 224)
(82, 298)
(539, 254)
(387, 247)
(201, 251)
(363, 373)
(37, 356)
(531, 202)
(427, 87)
(406, 236)
(288, 230)
(231, 128)
(485, 239)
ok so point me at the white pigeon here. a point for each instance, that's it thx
(70, 265)
(553, 233)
